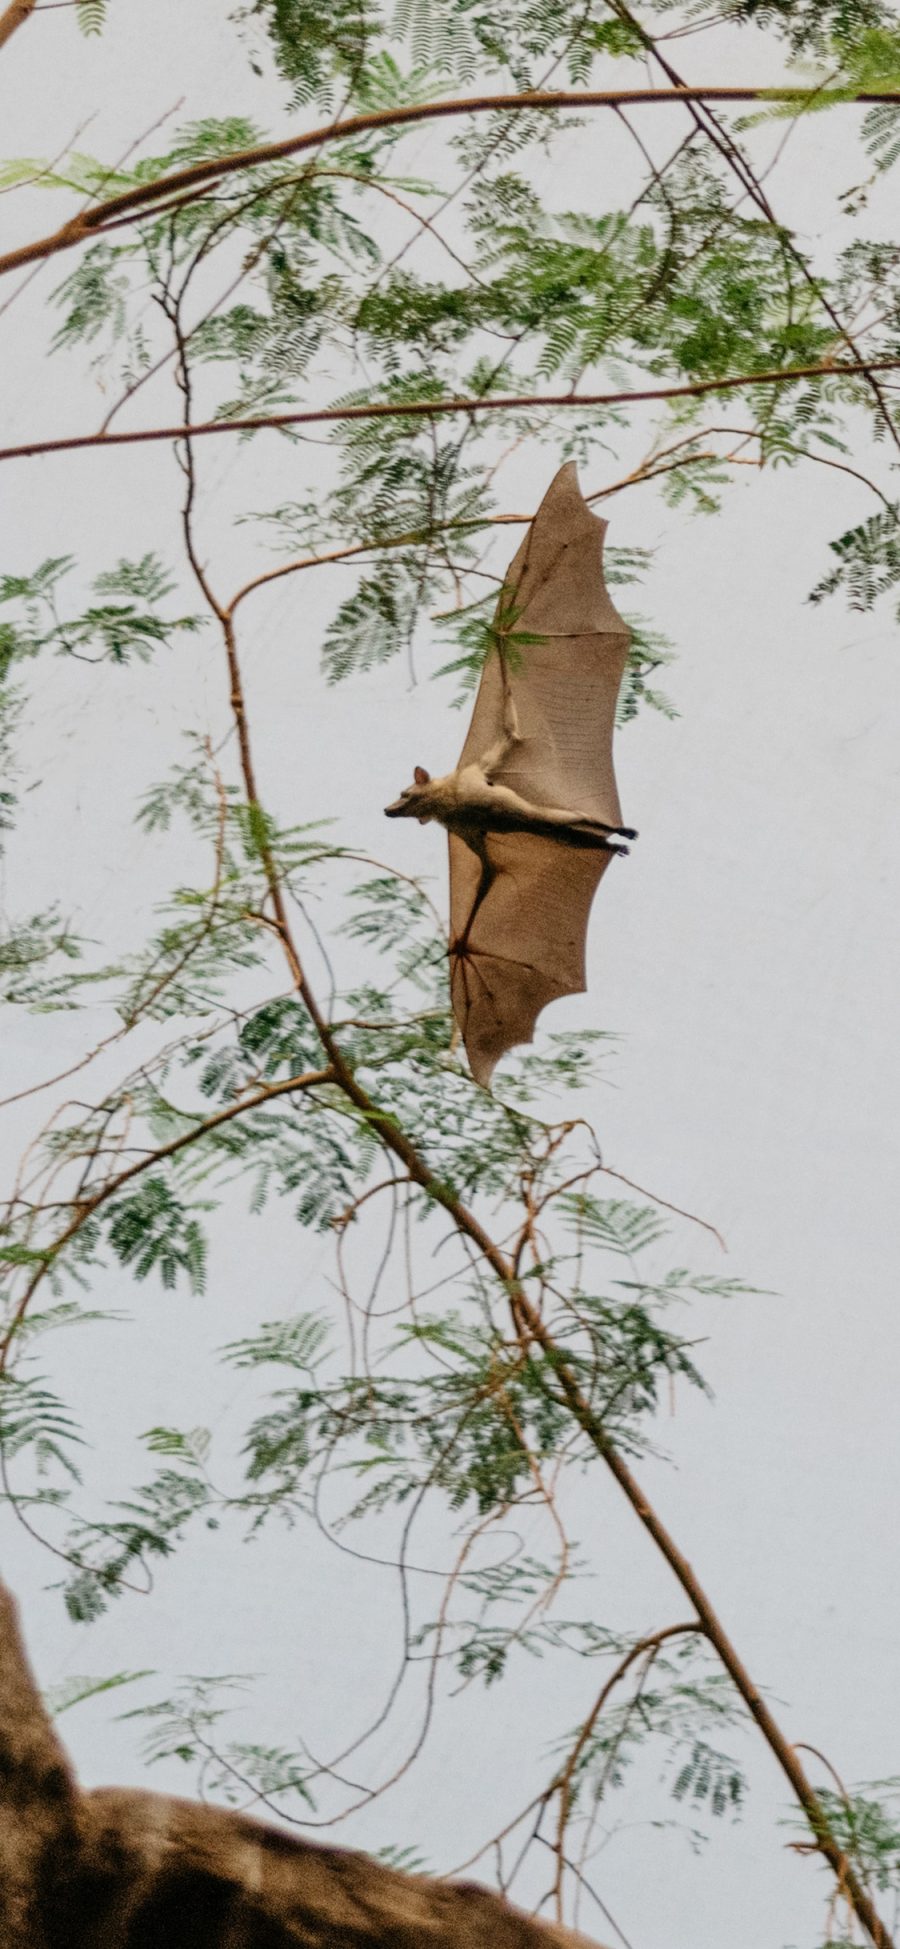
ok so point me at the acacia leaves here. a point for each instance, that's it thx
(456, 1409)
(688, 281)
(152, 1231)
(868, 562)
(91, 15)
(111, 631)
(315, 45)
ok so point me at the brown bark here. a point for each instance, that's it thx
(123, 1870)
(15, 15)
(425, 409)
(38, 1797)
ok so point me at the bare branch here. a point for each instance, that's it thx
(438, 408)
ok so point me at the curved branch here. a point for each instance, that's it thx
(647, 471)
(563, 1782)
(412, 539)
(424, 409)
(86, 1206)
(143, 198)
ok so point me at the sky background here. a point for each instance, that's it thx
(747, 959)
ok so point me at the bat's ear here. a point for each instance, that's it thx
(421, 776)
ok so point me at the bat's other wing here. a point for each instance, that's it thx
(525, 946)
(566, 687)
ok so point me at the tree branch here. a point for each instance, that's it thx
(565, 1777)
(13, 17)
(38, 1797)
(142, 199)
(86, 1206)
(433, 408)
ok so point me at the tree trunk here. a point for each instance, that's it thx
(129, 1870)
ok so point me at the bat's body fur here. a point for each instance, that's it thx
(469, 802)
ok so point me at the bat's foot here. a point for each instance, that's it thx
(624, 850)
(603, 832)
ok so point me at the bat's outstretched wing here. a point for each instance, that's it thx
(519, 924)
(525, 946)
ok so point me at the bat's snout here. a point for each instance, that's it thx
(400, 809)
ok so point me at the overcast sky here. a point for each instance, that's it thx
(747, 959)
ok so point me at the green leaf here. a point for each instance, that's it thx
(91, 15)
(152, 1230)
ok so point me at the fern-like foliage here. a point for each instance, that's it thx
(91, 15)
(316, 42)
(868, 562)
(819, 27)
(106, 631)
(153, 1231)
(34, 1419)
(35, 958)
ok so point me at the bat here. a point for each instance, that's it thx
(532, 810)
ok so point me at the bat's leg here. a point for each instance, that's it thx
(510, 812)
(582, 831)
(600, 825)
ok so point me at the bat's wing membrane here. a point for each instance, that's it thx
(525, 946)
(565, 687)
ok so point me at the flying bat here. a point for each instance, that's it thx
(532, 810)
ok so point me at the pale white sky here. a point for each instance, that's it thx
(748, 959)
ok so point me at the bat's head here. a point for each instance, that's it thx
(415, 801)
